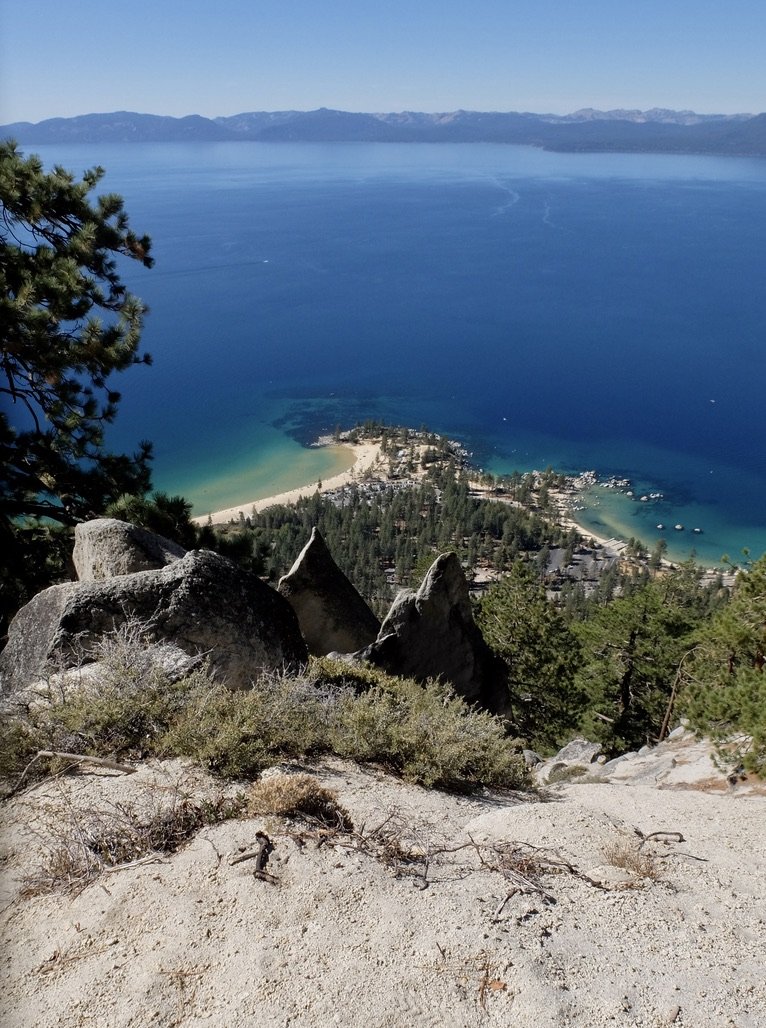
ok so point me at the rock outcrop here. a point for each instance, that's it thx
(202, 603)
(106, 547)
(331, 613)
(431, 634)
(578, 751)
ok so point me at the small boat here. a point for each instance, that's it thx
(697, 530)
(660, 527)
(678, 528)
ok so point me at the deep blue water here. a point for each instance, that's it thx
(585, 311)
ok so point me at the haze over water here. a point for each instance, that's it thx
(585, 311)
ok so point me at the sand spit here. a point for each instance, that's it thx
(365, 456)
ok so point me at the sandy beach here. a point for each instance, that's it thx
(363, 456)
(614, 546)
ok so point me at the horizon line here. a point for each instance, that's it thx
(409, 110)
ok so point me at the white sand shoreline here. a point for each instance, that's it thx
(365, 456)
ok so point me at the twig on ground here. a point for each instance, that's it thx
(661, 836)
(522, 863)
(152, 858)
(489, 981)
(502, 904)
(261, 857)
(259, 854)
(80, 758)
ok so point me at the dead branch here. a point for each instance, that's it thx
(661, 836)
(260, 855)
(501, 907)
(80, 758)
(152, 858)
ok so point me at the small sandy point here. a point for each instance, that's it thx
(365, 455)
(567, 518)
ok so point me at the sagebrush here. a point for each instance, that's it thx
(133, 709)
(86, 842)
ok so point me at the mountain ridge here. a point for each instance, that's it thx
(657, 130)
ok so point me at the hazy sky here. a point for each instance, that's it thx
(65, 57)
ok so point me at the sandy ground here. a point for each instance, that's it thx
(364, 455)
(343, 938)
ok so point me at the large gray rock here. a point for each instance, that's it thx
(578, 751)
(431, 634)
(202, 603)
(331, 613)
(105, 547)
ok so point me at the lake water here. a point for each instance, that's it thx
(585, 311)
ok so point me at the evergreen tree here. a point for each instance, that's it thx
(634, 647)
(726, 681)
(169, 516)
(68, 323)
(542, 653)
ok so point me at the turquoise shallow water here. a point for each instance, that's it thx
(583, 311)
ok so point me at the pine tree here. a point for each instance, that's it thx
(68, 323)
(542, 653)
(726, 694)
(635, 648)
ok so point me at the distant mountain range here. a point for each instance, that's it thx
(654, 131)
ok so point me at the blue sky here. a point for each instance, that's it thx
(60, 58)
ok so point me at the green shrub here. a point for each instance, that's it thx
(121, 709)
(567, 773)
(20, 740)
(133, 710)
(238, 734)
(426, 734)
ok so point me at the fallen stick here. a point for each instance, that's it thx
(503, 902)
(250, 855)
(661, 836)
(261, 857)
(80, 758)
(264, 876)
(152, 858)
